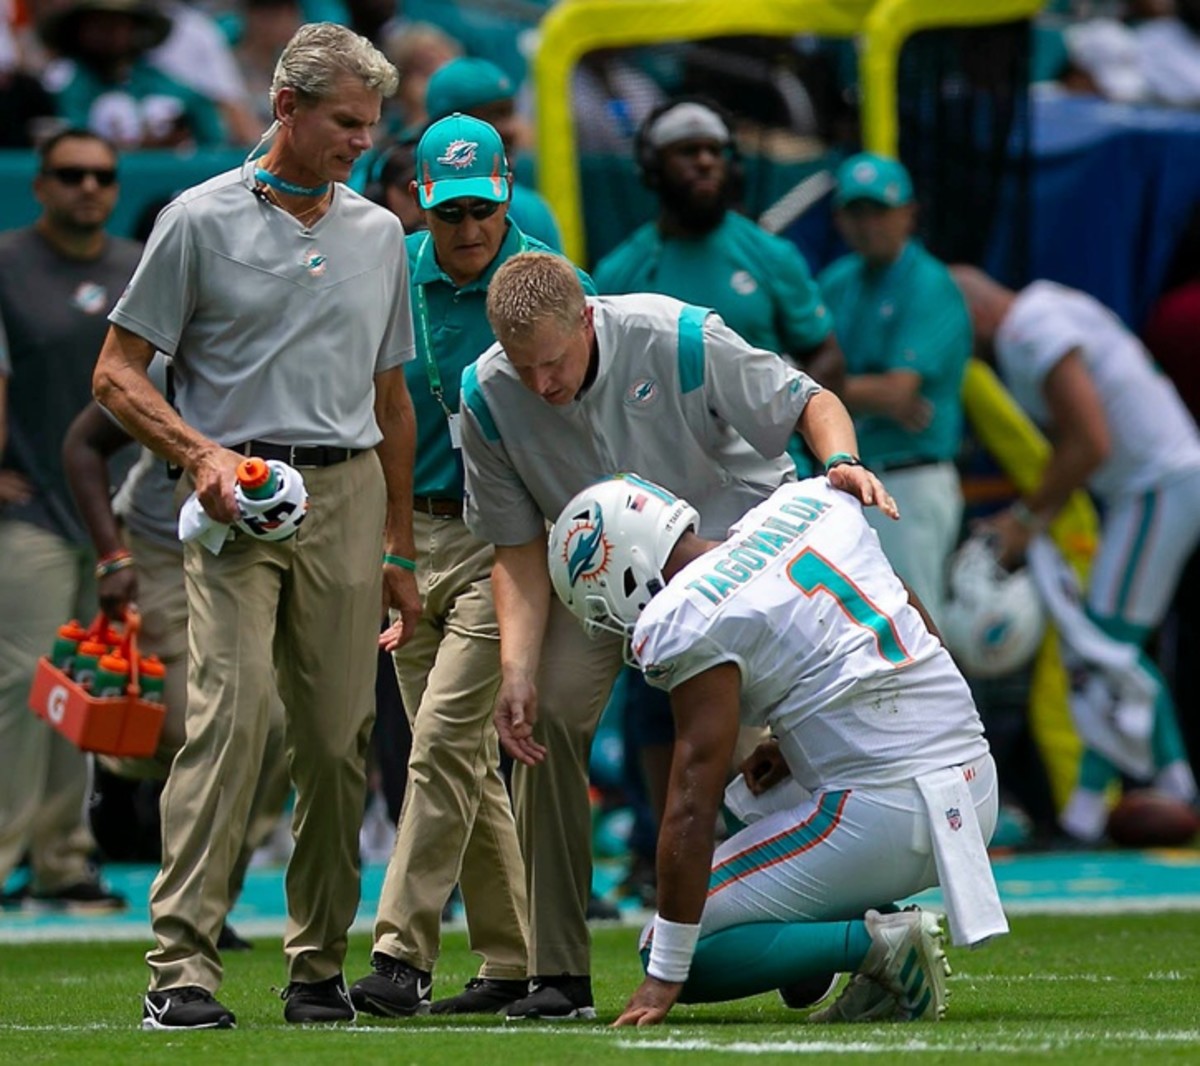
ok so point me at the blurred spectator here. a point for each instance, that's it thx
(24, 104)
(1104, 59)
(481, 89)
(1171, 55)
(417, 49)
(197, 54)
(106, 83)
(393, 170)
(58, 279)
(267, 25)
(611, 99)
(907, 337)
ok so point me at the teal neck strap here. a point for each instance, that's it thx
(292, 189)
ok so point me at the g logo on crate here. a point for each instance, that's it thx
(56, 704)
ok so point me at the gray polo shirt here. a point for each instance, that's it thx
(678, 397)
(277, 330)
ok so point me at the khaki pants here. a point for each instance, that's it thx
(309, 606)
(44, 582)
(457, 823)
(162, 603)
(553, 810)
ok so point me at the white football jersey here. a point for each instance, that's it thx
(1153, 436)
(833, 657)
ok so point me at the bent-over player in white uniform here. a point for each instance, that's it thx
(796, 622)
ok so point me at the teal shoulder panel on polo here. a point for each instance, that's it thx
(691, 347)
(472, 395)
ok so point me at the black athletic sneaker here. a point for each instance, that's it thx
(394, 990)
(190, 1007)
(313, 1002)
(600, 909)
(800, 995)
(84, 897)
(483, 995)
(555, 999)
(16, 899)
(229, 940)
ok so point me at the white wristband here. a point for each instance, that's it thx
(671, 950)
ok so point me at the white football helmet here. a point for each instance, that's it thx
(278, 517)
(608, 548)
(993, 620)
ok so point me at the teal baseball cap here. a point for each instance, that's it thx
(464, 84)
(461, 156)
(867, 176)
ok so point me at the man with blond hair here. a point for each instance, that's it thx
(579, 388)
(283, 297)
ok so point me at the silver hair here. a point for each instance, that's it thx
(320, 53)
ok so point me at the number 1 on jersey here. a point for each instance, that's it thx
(813, 573)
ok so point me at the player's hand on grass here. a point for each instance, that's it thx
(650, 1004)
(860, 483)
(764, 767)
(516, 713)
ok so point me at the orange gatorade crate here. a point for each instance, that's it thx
(112, 725)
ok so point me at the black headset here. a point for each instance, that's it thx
(646, 156)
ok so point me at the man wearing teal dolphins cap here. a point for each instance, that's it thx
(456, 825)
(482, 90)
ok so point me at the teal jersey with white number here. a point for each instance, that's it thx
(454, 321)
(907, 316)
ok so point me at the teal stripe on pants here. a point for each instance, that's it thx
(1149, 505)
(783, 846)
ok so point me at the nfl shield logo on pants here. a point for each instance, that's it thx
(954, 818)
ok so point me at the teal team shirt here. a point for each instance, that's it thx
(148, 91)
(460, 333)
(906, 316)
(758, 283)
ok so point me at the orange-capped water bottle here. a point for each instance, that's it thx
(66, 645)
(112, 676)
(256, 479)
(87, 661)
(152, 676)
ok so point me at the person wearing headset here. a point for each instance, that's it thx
(702, 251)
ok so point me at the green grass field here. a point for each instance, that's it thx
(1111, 989)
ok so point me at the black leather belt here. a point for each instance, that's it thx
(438, 508)
(906, 464)
(297, 455)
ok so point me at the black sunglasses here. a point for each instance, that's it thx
(454, 212)
(78, 175)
